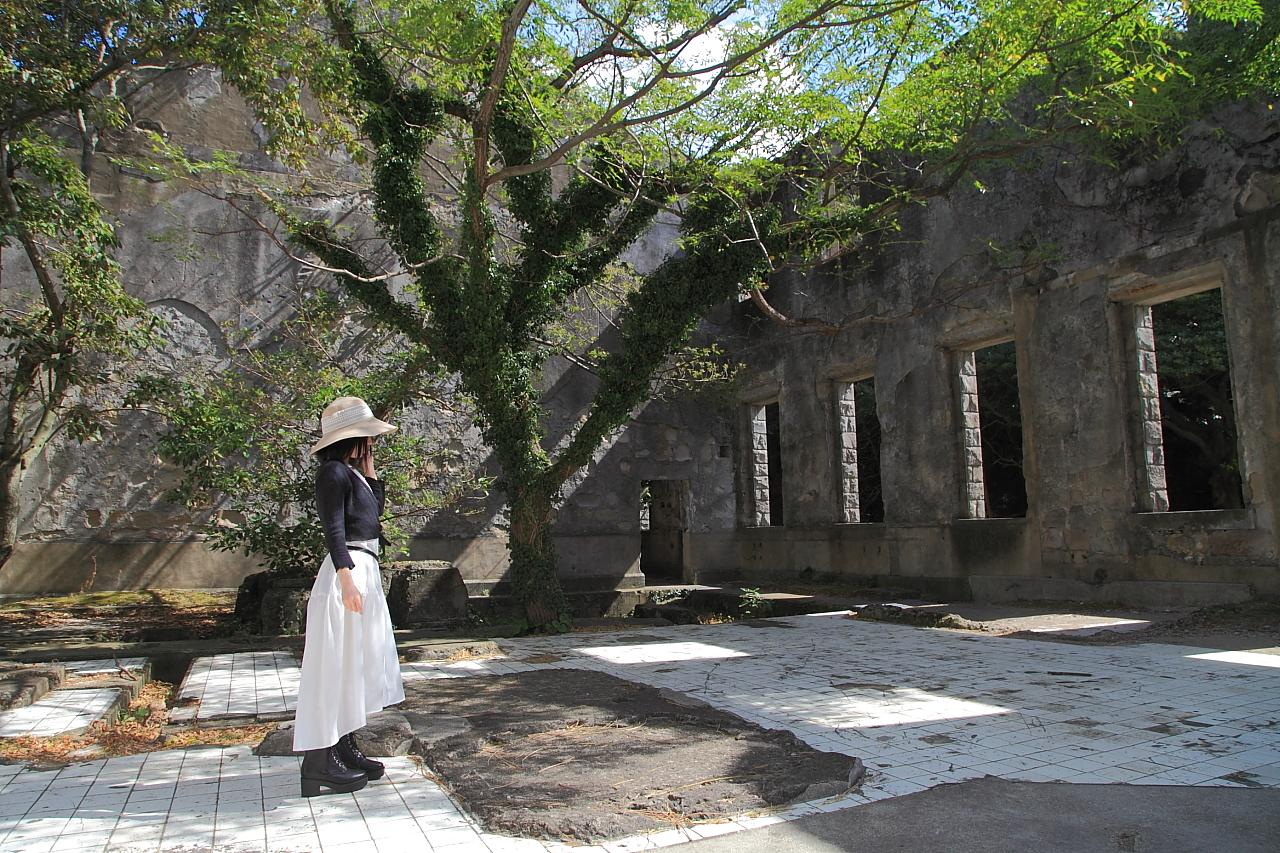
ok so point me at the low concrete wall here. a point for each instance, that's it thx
(57, 567)
(1172, 560)
(600, 562)
(585, 562)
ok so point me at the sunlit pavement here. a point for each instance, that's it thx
(921, 708)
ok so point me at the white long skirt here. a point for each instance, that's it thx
(349, 664)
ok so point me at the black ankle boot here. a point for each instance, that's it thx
(322, 768)
(351, 755)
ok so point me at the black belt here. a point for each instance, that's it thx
(373, 554)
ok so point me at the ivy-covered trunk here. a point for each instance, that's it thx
(536, 585)
(486, 308)
(508, 404)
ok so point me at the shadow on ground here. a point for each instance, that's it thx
(994, 816)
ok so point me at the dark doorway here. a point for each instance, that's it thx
(867, 434)
(662, 528)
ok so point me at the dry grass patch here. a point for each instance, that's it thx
(122, 615)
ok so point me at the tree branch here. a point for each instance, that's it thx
(484, 115)
(35, 255)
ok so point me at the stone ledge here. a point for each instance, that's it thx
(1135, 593)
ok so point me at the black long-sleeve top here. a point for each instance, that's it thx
(347, 509)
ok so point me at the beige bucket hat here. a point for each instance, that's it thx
(348, 417)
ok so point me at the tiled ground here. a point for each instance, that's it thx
(244, 684)
(65, 710)
(59, 712)
(920, 707)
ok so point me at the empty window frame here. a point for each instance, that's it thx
(766, 466)
(1189, 432)
(858, 429)
(991, 433)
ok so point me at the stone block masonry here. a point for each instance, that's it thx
(975, 497)
(759, 466)
(1155, 493)
(847, 428)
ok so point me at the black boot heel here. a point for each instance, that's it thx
(322, 768)
(351, 755)
(314, 787)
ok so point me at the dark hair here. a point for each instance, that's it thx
(343, 450)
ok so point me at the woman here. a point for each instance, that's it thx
(349, 664)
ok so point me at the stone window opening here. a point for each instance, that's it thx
(766, 466)
(1190, 440)
(858, 456)
(991, 432)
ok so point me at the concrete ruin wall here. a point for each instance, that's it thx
(1202, 216)
(95, 515)
(1092, 247)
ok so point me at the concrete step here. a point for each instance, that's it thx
(64, 712)
(22, 684)
(244, 686)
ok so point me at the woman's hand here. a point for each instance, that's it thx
(351, 597)
(364, 462)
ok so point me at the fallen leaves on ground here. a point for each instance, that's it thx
(140, 728)
(137, 730)
(226, 736)
(472, 654)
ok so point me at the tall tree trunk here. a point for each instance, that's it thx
(21, 443)
(11, 471)
(510, 411)
(533, 560)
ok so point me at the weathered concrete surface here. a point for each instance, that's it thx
(994, 816)
(1057, 257)
(426, 594)
(56, 566)
(98, 514)
(20, 684)
(386, 733)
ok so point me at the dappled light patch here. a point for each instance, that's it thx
(660, 652)
(1248, 658)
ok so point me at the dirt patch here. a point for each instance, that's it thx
(582, 756)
